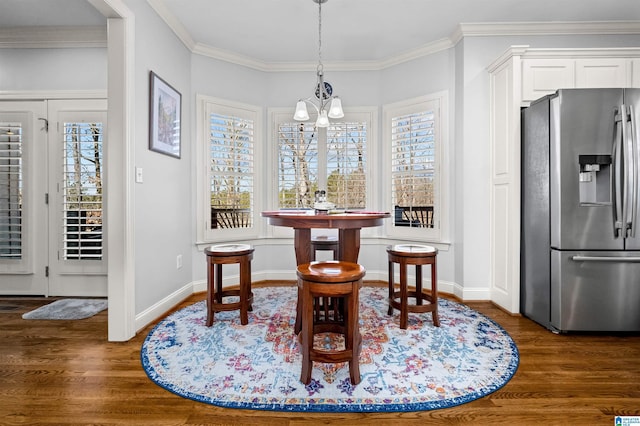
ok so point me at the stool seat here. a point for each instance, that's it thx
(324, 243)
(229, 248)
(224, 254)
(418, 255)
(413, 248)
(328, 302)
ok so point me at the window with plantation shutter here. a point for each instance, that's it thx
(414, 148)
(231, 171)
(229, 135)
(346, 164)
(11, 180)
(333, 159)
(82, 191)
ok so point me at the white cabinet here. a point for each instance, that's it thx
(635, 73)
(601, 72)
(543, 76)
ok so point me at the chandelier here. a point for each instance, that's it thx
(323, 96)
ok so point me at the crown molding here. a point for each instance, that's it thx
(463, 30)
(53, 37)
(545, 28)
(96, 36)
(180, 31)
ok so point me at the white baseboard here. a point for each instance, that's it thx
(159, 309)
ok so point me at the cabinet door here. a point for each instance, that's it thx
(635, 73)
(597, 73)
(541, 77)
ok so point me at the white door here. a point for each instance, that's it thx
(62, 205)
(23, 208)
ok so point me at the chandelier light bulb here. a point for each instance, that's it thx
(335, 110)
(301, 111)
(323, 120)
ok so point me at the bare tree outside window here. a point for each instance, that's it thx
(334, 161)
(231, 171)
(82, 191)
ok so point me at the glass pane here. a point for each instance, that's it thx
(82, 191)
(11, 190)
(297, 165)
(413, 169)
(346, 165)
(231, 171)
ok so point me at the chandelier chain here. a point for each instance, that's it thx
(320, 35)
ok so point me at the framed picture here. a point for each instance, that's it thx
(165, 113)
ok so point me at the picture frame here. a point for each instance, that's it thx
(165, 115)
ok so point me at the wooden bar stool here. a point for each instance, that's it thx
(418, 255)
(326, 243)
(328, 302)
(217, 256)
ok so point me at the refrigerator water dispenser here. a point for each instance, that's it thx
(595, 179)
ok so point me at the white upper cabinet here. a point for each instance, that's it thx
(543, 76)
(635, 73)
(602, 72)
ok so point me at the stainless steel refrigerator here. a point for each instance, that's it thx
(580, 236)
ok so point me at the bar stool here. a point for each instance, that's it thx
(324, 243)
(217, 256)
(328, 302)
(418, 255)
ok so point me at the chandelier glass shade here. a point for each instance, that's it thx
(323, 101)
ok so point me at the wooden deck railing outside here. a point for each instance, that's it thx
(416, 216)
(230, 218)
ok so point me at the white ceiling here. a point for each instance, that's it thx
(286, 31)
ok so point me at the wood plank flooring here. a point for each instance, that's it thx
(65, 372)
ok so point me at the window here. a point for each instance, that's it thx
(414, 150)
(333, 159)
(228, 133)
(11, 190)
(82, 191)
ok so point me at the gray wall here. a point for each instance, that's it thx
(163, 212)
(53, 69)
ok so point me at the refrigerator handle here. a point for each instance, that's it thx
(616, 182)
(626, 165)
(633, 161)
(634, 259)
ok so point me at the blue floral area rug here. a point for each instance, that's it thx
(258, 366)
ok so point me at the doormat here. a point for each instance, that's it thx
(257, 366)
(68, 309)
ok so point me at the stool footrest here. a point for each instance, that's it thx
(229, 306)
(418, 308)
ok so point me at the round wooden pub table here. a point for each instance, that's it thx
(348, 225)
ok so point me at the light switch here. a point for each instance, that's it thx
(138, 174)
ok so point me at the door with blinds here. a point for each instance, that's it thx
(60, 204)
(23, 210)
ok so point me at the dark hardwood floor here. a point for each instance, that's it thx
(65, 372)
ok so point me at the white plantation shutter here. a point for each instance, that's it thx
(333, 159)
(231, 173)
(297, 165)
(82, 191)
(346, 164)
(11, 181)
(413, 131)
